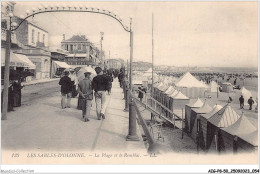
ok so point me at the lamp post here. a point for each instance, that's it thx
(7, 67)
(47, 9)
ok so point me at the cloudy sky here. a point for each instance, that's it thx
(185, 33)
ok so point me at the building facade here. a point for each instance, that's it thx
(81, 51)
(34, 42)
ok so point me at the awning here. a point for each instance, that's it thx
(61, 64)
(14, 60)
(24, 58)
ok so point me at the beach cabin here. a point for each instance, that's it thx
(179, 101)
(227, 87)
(168, 92)
(204, 137)
(248, 142)
(231, 133)
(195, 118)
(197, 103)
(221, 119)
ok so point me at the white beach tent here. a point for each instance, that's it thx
(169, 90)
(189, 81)
(213, 87)
(225, 117)
(240, 128)
(190, 86)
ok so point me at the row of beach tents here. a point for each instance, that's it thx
(212, 128)
(220, 128)
(188, 85)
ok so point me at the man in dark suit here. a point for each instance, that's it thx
(66, 90)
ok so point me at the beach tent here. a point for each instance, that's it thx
(227, 87)
(195, 116)
(213, 87)
(195, 103)
(169, 90)
(190, 86)
(221, 119)
(188, 81)
(248, 142)
(241, 127)
(167, 97)
(179, 101)
(161, 91)
(204, 138)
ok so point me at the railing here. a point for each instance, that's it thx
(154, 105)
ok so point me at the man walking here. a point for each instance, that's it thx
(241, 101)
(66, 89)
(250, 102)
(85, 95)
(100, 84)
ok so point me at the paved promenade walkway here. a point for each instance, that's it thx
(44, 127)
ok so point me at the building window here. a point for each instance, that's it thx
(71, 47)
(67, 47)
(79, 46)
(32, 35)
(38, 37)
(43, 38)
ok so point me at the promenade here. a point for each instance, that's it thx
(43, 127)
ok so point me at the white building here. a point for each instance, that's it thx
(34, 41)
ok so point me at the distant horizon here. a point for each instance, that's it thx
(200, 66)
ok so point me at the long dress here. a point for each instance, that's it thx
(17, 94)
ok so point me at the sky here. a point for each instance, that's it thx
(185, 33)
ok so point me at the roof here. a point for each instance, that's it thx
(169, 90)
(162, 86)
(175, 92)
(205, 108)
(224, 117)
(195, 104)
(251, 138)
(241, 126)
(215, 109)
(189, 81)
(58, 50)
(37, 26)
(180, 95)
(76, 38)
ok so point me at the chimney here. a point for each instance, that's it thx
(63, 37)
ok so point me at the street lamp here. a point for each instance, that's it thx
(46, 9)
